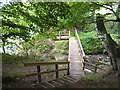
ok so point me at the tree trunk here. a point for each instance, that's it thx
(3, 46)
(118, 23)
(111, 46)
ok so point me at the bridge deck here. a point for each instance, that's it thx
(75, 59)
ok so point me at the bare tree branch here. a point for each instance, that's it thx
(111, 9)
(112, 20)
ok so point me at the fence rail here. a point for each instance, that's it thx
(86, 60)
(39, 73)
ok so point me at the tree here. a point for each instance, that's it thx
(41, 16)
(88, 15)
(112, 47)
(22, 19)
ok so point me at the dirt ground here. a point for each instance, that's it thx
(13, 75)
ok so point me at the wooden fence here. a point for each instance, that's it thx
(93, 63)
(81, 48)
(87, 61)
(39, 73)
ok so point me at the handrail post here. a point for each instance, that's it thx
(39, 76)
(59, 35)
(56, 66)
(69, 47)
(69, 33)
(68, 72)
(96, 68)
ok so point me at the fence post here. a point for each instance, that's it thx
(95, 68)
(39, 76)
(59, 35)
(83, 65)
(56, 66)
(68, 72)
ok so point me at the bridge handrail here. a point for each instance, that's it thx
(85, 58)
(83, 53)
(39, 73)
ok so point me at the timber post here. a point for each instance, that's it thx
(39, 76)
(56, 67)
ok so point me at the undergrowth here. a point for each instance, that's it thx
(62, 47)
(100, 80)
(106, 79)
(91, 43)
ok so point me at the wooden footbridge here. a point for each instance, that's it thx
(76, 65)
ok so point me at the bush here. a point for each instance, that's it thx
(91, 43)
(88, 34)
(92, 46)
(45, 48)
(62, 47)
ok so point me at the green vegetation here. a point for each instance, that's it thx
(101, 80)
(10, 59)
(36, 47)
(62, 47)
(91, 43)
(32, 22)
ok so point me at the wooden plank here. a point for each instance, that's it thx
(62, 39)
(39, 85)
(44, 63)
(46, 72)
(47, 85)
(55, 83)
(94, 66)
(81, 48)
(69, 47)
(69, 33)
(67, 80)
(70, 79)
(83, 53)
(89, 69)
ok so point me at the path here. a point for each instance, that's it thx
(76, 69)
(75, 59)
(53, 47)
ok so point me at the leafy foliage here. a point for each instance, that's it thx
(36, 47)
(91, 44)
(62, 47)
(33, 15)
(21, 20)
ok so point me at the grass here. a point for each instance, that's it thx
(62, 47)
(88, 34)
(101, 80)
(14, 70)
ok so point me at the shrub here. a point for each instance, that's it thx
(92, 46)
(91, 43)
(62, 47)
